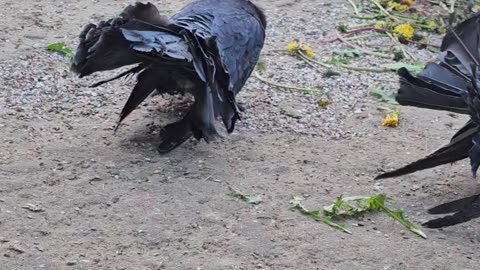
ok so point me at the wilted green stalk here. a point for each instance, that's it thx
(290, 88)
(355, 9)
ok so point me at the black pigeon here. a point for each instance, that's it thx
(451, 84)
(208, 49)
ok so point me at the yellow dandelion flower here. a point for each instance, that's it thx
(380, 25)
(407, 2)
(397, 6)
(292, 47)
(324, 100)
(307, 51)
(401, 8)
(391, 119)
(406, 30)
(431, 24)
(392, 5)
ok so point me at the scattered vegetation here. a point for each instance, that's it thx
(61, 49)
(246, 197)
(352, 207)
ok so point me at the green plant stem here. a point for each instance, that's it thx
(452, 7)
(424, 44)
(305, 58)
(367, 17)
(384, 11)
(399, 45)
(394, 216)
(329, 223)
(359, 26)
(381, 55)
(349, 67)
(290, 88)
(353, 32)
(317, 217)
(365, 69)
(355, 9)
(364, 37)
(406, 18)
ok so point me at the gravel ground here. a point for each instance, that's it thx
(75, 196)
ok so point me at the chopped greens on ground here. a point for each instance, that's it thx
(62, 49)
(246, 197)
(383, 95)
(354, 206)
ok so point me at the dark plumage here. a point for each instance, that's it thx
(450, 85)
(208, 49)
(464, 209)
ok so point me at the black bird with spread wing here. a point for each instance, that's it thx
(208, 49)
(449, 85)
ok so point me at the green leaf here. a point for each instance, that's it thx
(349, 54)
(414, 69)
(342, 28)
(383, 95)
(337, 61)
(261, 65)
(252, 199)
(330, 73)
(296, 204)
(353, 206)
(398, 215)
(434, 50)
(348, 207)
(61, 48)
(246, 198)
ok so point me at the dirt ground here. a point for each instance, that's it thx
(75, 196)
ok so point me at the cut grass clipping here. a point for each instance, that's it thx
(354, 206)
(61, 49)
(245, 197)
(383, 95)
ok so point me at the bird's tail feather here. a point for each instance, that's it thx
(460, 47)
(147, 81)
(131, 71)
(457, 149)
(424, 92)
(465, 209)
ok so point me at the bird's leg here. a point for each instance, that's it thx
(203, 117)
(174, 134)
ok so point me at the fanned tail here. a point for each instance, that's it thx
(427, 92)
(464, 209)
(449, 85)
(457, 149)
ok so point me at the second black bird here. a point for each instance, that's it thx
(451, 84)
(208, 49)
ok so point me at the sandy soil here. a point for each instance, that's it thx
(75, 196)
